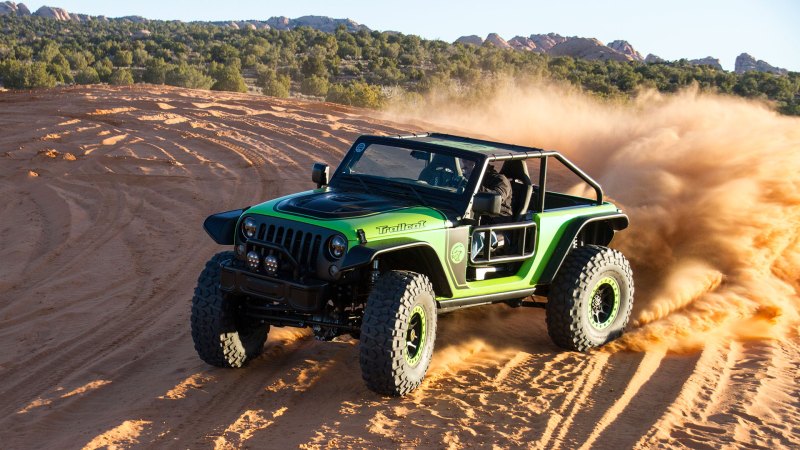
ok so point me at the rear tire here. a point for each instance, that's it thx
(591, 298)
(221, 335)
(398, 333)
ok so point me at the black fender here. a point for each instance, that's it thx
(222, 226)
(402, 253)
(613, 222)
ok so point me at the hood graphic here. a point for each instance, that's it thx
(339, 205)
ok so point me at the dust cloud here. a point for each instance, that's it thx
(711, 186)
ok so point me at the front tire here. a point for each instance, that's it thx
(591, 298)
(398, 332)
(221, 335)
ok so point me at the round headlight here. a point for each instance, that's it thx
(337, 246)
(249, 227)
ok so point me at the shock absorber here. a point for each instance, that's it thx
(374, 274)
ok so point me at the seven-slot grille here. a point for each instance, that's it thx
(304, 246)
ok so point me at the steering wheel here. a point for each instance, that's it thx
(446, 177)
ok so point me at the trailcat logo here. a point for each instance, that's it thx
(457, 253)
(386, 229)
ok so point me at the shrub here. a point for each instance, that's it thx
(187, 76)
(87, 75)
(315, 85)
(229, 78)
(273, 84)
(356, 93)
(121, 77)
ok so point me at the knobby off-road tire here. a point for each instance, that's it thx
(590, 299)
(398, 332)
(222, 337)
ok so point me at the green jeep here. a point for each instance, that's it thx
(401, 233)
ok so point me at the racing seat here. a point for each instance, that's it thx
(521, 187)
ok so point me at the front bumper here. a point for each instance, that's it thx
(307, 296)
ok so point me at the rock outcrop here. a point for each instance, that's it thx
(654, 59)
(495, 40)
(586, 48)
(52, 13)
(142, 34)
(321, 23)
(707, 61)
(470, 40)
(281, 23)
(135, 19)
(626, 49)
(746, 63)
(524, 44)
(547, 41)
(14, 8)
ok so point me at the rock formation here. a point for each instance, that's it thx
(707, 61)
(14, 8)
(746, 63)
(321, 23)
(495, 40)
(142, 34)
(135, 19)
(587, 49)
(524, 44)
(470, 40)
(626, 49)
(653, 59)
(547, 41)
(279, 23)
(52, 13)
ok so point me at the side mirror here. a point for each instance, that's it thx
(320, 174)
(485, 203)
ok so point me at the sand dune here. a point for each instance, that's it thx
(100, 253)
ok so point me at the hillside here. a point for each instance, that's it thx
(107, 188)
(341, 61)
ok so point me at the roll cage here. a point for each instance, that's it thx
(484, 152)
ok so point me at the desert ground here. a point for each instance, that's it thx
(104, 191)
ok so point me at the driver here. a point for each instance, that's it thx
(443, 171)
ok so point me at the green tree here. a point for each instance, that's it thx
(314, 64)
(104, 68)
(121, 77)
(140, 56)
(155, 71)
(273, 84)
(315, 85)
(184, 75)
(228, 78)
(25, 75)
(123, 58)
(87, 75)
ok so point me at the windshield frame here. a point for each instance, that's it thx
(435, 197)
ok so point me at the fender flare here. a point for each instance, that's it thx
(222, 226)
(363, 255)
(618, 221)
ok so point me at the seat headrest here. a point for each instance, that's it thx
(516, 169)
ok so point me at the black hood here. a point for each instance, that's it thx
(334, 205)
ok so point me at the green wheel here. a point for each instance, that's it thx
(590, 299)
(415, 336)
(398, 332)
(603, 304)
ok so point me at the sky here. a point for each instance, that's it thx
(766, 29)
